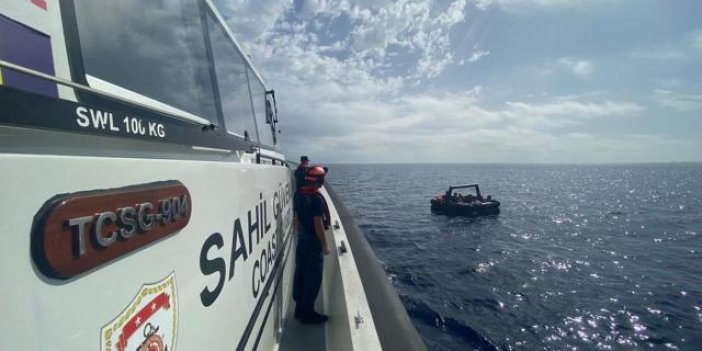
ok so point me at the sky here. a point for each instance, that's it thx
(524, 81)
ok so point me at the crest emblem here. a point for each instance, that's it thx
(149, 323)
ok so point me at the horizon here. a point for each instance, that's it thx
(514, 163)
(515, 81)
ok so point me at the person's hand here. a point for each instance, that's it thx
(326, 250)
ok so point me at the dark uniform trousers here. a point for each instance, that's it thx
(309, 264)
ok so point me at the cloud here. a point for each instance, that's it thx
(678, 102)
(347, 73)
(663, 55)
(564, 112)
(477, 55)
(261, 16)
(525, 5)
(511, 144)
(575, 108)
(668, 83)
(421, 28)
(581, 68)
(411, 25)
(334, 87)
(453, 15)
(696, 40)
(412, 127)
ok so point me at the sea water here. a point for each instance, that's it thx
(582, 257)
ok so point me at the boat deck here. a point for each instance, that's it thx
(300, 336)
(352, 322)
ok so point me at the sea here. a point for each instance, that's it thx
(581, 257)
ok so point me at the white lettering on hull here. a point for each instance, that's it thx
(95, 119)
(255, 232)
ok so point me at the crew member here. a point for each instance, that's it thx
(301, 171)
(311, 246)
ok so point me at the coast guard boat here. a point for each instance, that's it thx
(146, 201)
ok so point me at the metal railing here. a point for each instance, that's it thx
(74, 85)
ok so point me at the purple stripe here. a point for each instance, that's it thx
(26, 47)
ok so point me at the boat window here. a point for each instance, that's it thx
(232, 81)
(271, 115)
(153, 48)
(29, 48)
(258, 93)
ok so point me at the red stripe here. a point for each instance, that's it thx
(40, 3)
(160, 301)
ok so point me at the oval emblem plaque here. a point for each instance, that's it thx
(76, 232)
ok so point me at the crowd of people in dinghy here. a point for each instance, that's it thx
(466, 199)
